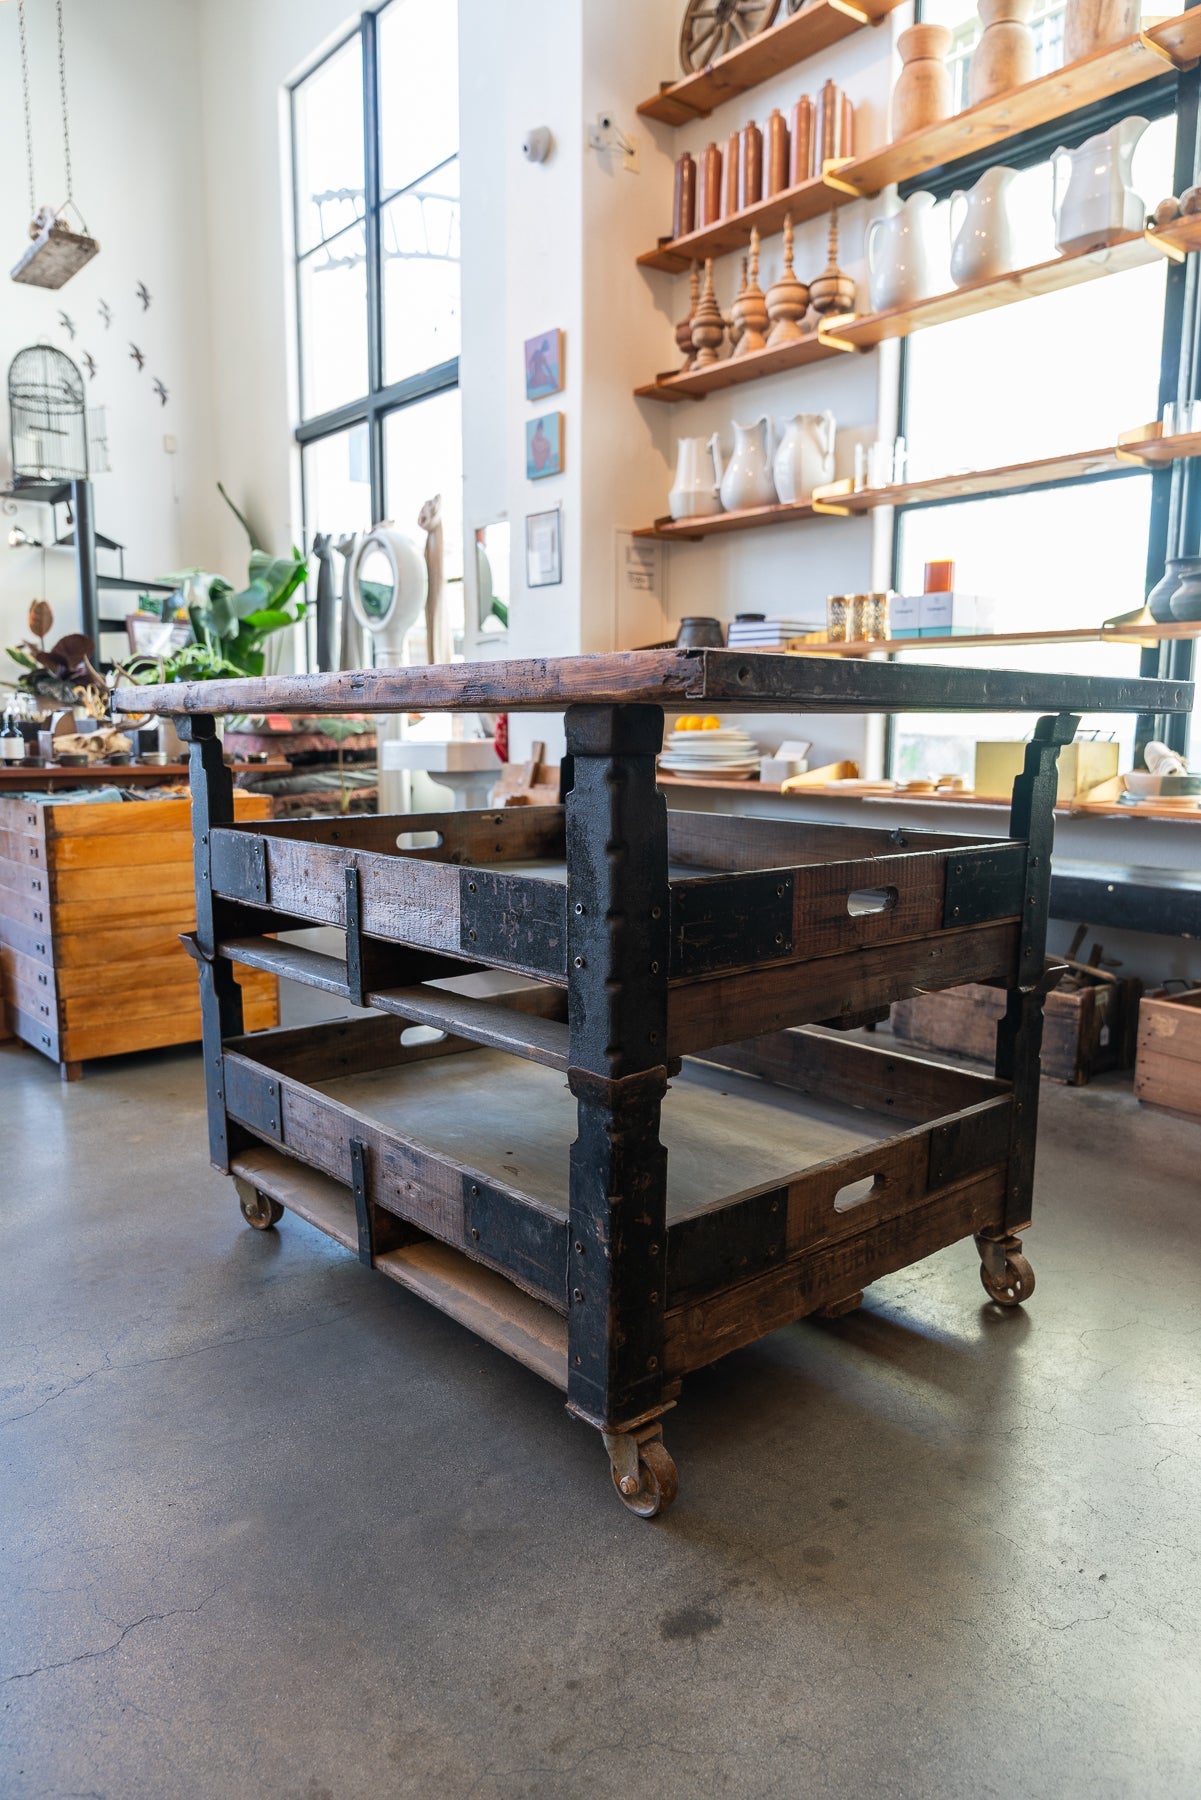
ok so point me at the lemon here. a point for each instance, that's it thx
(710, 722)
(690, 722)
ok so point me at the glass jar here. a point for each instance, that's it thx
(872, 622)
(838, 613)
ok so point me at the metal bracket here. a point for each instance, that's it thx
(727, 921)
(238, 860)
(513, 919)
(528, 1244)
(252, 1097)
(354, 937)
(729, 1244)
(362, 1206)
(985, 884)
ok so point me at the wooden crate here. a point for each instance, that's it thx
(1088, 1026)
(1167, 1071)
(93, 898)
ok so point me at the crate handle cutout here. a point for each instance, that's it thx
(421, 1034)
(419, 840)
(864, 901)
(855, 1193)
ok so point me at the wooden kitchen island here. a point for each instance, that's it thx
(721, 1159)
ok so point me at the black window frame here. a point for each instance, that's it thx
(1175, 517)
(373, 407)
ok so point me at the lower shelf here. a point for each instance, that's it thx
(486, 1303)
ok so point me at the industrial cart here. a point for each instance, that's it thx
(659, 1144)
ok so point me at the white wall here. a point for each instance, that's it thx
(136, 118)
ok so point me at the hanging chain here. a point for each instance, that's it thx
(62, 83)
(33, 204)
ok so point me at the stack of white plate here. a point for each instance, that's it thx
(724, 755)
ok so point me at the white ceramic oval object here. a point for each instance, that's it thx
(747, 480)
(1092, 196)
(695, 490)
(804, 456)
(899, 264)
(981, 234)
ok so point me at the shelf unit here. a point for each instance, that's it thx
(732, 371)
(1098, 634)
(605, 1231)
(863, 331)
(747, 518)
(1142, 448)
(1168, 46)
(1179, 239)
(792, 40)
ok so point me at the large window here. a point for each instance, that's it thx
(375, 136)
(1058, 375)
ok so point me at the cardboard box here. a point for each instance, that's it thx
(948, 615)
(1081, 766)
(905, 616)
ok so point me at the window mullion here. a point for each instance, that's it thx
(371, 174)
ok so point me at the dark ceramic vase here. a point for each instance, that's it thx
(1186, 598)
(704, 634)
(1179, 570)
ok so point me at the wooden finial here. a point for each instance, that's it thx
(751, 307)
(684, 328)
(787, 299)
(708, 326)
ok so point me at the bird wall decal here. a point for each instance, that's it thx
(67, 323)
(106, 313)
(143, 294)
(89, 363)
(161, 391)
(137, 356)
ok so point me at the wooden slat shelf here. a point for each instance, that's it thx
(746, 518)
(863, 331)
(1053, 96)
(880, 797)
(1179, 239)
(732, 371)
(840, 497)
(1148, 445)
(1173, 43)
(1098, 634)
(792, 40)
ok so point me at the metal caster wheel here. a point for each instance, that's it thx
(259, 1209)
(643, 1472)
(1012, 1284)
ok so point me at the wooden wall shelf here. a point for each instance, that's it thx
(839, 497)
(1065, 90)
(792, 40)
(1148, 445)
(1091, 634)
(1179, 239)
(732, 371)
(747, 518)
(864, 331)
(1173, 43)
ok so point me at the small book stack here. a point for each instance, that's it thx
(753, 631)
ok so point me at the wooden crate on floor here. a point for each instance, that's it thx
(93, 898)
(1167, 1071)
(1088, 1025)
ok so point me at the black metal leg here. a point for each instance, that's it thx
(1019, 1033)
(617, 949)
(220, 995)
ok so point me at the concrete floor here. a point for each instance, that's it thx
(270, 1526)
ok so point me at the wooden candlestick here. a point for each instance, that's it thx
(800, 160)
(684, 328)
(750, 166)
(735, 321)
(708, 326)
(833, 291)
(787, 299)
(708, 210)
(750, 308)
(777, 152)
(733, 157)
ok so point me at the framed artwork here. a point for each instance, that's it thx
(544, 446)
(543, 549)
(543, 364)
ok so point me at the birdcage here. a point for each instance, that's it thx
(54, 436)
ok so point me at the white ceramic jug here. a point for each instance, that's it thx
(1097, 201)
(899, 265)
(747, 478)
(982, 237)
(804, 456)
(695, 490)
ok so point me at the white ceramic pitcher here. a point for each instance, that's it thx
(981, 235)
(804, 456)
(899, 263)
(1096, 201)
(695, 490)
(747, 480)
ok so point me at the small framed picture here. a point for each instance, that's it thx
(543, 365)
(543, 549)
(544, 446)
